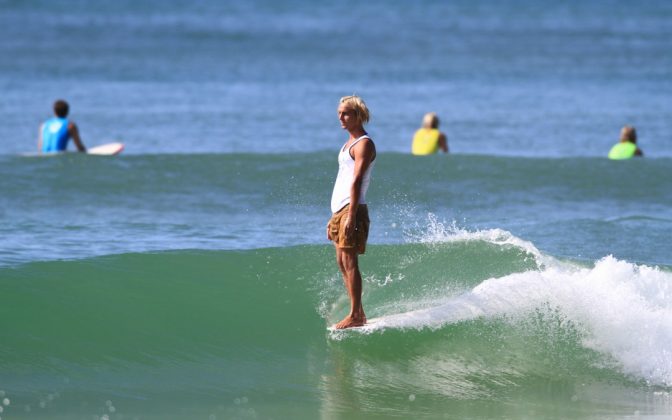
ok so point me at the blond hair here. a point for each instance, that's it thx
(357, 104)
(628, 133)
(430, 120)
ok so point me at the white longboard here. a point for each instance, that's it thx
(466, 306)
(106, 149)
(370, 326)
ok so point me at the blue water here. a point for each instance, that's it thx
(522, 276)
(529, 78)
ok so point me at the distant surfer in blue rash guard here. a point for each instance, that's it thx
(57, 131)
(348, 227)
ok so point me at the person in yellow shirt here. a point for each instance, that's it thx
(428, 139)
(627, 146)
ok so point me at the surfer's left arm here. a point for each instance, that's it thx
(363, 153)
(74, 132)
(443, 142)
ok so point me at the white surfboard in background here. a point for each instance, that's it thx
(106, 149)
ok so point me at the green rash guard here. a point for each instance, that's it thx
(621, 151)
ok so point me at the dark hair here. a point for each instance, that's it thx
(61, 108)
(628, 133)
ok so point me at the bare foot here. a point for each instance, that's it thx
(349, 322)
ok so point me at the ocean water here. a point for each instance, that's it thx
(523, 276)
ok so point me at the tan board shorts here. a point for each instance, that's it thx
(358, 239)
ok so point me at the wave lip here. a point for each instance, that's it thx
(437, 232)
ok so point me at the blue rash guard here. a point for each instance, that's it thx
(55, 135)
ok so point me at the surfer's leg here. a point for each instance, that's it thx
(348, 262)
(344, 272)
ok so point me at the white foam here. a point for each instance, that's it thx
(625, 309)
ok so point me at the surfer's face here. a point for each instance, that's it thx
(347, 117)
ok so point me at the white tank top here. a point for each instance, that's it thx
(346, 174)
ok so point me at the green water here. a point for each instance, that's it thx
(241, 334)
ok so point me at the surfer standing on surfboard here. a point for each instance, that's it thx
(56, 131)
(348, 227)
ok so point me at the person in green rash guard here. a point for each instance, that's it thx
(627, 146)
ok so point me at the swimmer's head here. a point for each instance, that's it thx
(628, 133)
(61, 108)
(430, 120)
(356, 104)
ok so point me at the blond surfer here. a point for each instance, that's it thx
(348, 227)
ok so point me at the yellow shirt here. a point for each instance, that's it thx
(426, 141)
